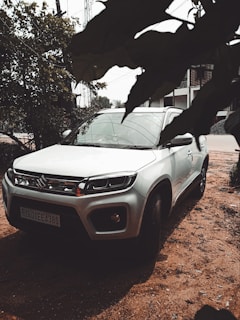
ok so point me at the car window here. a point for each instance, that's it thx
(171, 116)
(137, 130)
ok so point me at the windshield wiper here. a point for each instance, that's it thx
(118, 146)
(136, 147)
(89, 145)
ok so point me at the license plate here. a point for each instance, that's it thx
(40, 216)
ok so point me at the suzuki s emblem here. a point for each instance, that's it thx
(41, 182)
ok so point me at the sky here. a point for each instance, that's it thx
(119, 80)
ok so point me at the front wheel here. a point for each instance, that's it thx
(148, 242)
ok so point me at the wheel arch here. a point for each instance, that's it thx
(165, 189)
(206, 161)
(148, 241)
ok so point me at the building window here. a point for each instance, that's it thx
(168, 101)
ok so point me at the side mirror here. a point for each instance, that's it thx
(181, 140)
(66, 133)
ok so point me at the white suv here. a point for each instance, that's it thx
(108, 179)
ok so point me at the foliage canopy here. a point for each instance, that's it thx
(34, 83)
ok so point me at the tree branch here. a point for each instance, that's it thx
(19, 142)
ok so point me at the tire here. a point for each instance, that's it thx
(148, 242)
(199, 190)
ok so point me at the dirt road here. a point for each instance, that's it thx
(198, 265)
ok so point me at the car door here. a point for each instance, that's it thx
(181, 158)
(198, 156)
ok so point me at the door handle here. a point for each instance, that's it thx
(189, 154)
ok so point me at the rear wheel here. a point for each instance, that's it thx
(199, 190)
(148, 242)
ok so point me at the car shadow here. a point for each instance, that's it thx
(60, 278)
(180, 211)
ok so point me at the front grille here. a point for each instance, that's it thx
(69, 219)
(47, 183)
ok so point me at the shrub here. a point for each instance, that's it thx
(8, 152)
(235, 174)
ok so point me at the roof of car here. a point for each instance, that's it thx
(142, 109)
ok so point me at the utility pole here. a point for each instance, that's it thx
(58, 7)
(87, 11)
(68, 105)
(59, 11)
(87, 94)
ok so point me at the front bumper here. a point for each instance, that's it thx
(113, 215)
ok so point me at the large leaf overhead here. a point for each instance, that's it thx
(215, 95)
(102, 43)
(118, 23)
(110, 39)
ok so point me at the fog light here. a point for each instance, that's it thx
(109, 219)
(115, 218)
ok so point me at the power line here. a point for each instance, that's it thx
(31, 49)
(37, 27)
(122, 76)
(20, 40)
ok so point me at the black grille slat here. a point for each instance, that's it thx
(37, 174)
(48, 183)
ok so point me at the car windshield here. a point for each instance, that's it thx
(138, 130)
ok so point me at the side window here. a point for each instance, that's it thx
(171, 116)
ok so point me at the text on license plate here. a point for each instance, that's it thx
(40, 216)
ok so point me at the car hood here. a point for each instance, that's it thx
(66, 160)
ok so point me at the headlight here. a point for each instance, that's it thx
(18, 179)
(106, 183)
(10, 175)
